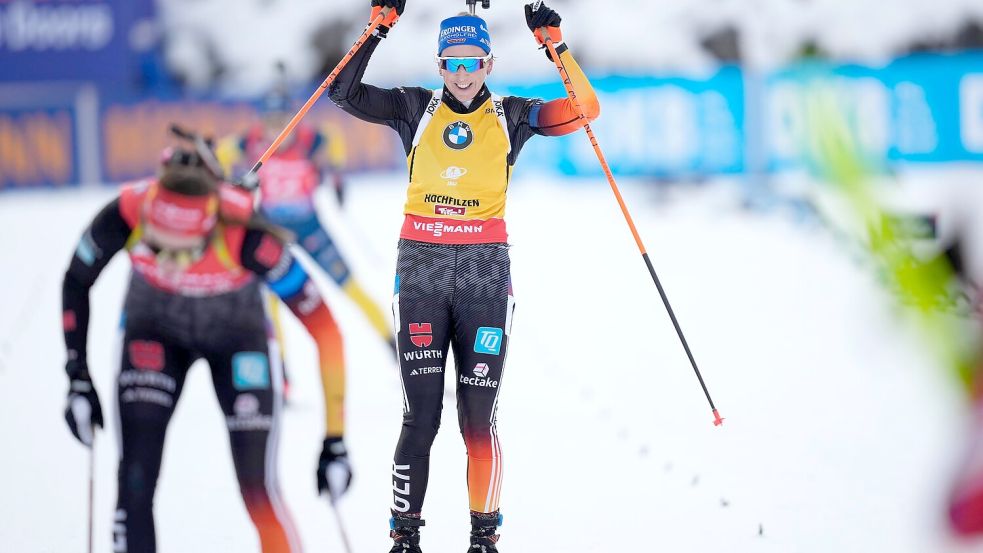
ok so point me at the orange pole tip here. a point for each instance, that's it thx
(717, 419)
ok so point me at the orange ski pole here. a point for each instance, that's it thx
(572, 94)
(376, 21)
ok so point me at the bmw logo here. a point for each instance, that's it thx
(458, 135)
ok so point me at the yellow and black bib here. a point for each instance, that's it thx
(459, 174)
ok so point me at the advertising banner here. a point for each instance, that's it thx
(651, 126)
(88, 40)
(926, 109)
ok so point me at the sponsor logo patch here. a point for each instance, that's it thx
(87, 251)
(421, 334)
(269, 251)
(426, 370)
(481, 369)
(480, 377)
(68, 321)
(420, 355)
(439, 228)
(250, 371)
(450, 200)
(448, 210)
(458, 135)
(146, 355)
(488, 340)
(245, 405)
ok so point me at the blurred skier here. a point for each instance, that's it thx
(288, 182)
(959, 233)
(199, 255)
(452, 282)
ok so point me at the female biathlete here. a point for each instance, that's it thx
(199, 256)
(452, 281)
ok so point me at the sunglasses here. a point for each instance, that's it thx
(470, 64)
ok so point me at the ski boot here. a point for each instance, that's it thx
(483, 536)
(405, 532)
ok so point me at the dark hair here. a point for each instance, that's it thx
(188, 180)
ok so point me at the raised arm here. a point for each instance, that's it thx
(560, 116)
(399, 108)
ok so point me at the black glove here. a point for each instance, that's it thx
(543, 17)
(83, 412)
(398, 5)
(334, 472)
(397, 10)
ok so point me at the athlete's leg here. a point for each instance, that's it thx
(149, 384)
(483, 307)
(421, 307)
(247, 380)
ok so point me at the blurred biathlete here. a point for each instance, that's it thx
(287, 185)
(452, 283)
(199, 256)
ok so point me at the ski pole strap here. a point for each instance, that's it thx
(406, 522)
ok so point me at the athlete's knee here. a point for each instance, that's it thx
(418, 434)
(137, 485)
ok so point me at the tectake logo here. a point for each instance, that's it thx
(481, 369)
(452, 173)
(458, 135)
(449, 210)
(480, 377)
(421, 334)
(245, 404)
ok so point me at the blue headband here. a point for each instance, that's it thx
(464, 29)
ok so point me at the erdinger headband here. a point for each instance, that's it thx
(463, 29)
(180, 214)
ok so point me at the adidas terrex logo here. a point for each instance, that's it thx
(426, 370)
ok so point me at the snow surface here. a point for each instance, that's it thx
(841, 434)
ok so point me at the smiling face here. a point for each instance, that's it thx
(463, 85)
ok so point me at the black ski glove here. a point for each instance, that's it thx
(397, 10)
(545, 17)
(83, 412)
(334, 472)
(398, 5)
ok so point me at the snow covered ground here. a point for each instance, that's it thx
(840, 435)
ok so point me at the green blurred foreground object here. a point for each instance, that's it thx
(929, 288)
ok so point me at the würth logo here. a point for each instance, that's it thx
(421, 334)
